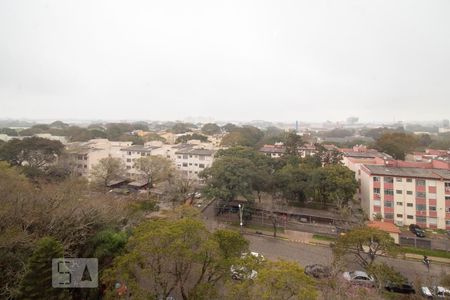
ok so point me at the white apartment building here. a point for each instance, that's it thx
(407, 196)
(85, 155)
(191, 160)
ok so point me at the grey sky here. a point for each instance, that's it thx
(273, 60)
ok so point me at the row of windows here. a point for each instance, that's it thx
(419, 219)
(185, 156)
(419, 207)
(391, 192)
(419, 182)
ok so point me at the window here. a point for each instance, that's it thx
(190, 164)
(389, 216)
(185, 156)
(398, 191)
(420, 182)
(128, 159)
(409, 204)
(376, 190)
(201, 157)
(431, 182)
(179, 156)
(409, 192)
(129, 152)
(421, 219)
(447, 223)
(399, 203)
(421, 194)
(432, 208)
(142, 153)
(377, 202)
(398, 179)
(447, 185)
(190, 156)
(185, 164)
(408, 180)
(376, 179)
(388, 179)
(195, 164)
(399, 216)
(128, 167)
(410, 217)
(421, 207)
(201, 166)
(388, 204)
(388, 192)
(447, 198)
(432, 221)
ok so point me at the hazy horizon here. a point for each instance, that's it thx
(278, 61)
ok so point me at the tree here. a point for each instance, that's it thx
(276, 280)
(211, 129)
(35, 152)
(243, 136)
(37, 281)
(326, 156)
(228, 178)
(334, 184)
(108, 169)
(293, 183)
(293, 143)
(175, 257)
(188, 137)
(384, 274)
(182, 128)
(364, 244)
(396, 144)
(153, 168)
(8, 131)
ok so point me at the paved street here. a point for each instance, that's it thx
(308, 254)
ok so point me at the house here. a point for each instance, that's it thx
(388, 227)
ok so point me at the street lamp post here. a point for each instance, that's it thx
(241, 210)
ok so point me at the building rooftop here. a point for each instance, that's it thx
(408, 172)
(193, 151)
(140, 148)
(384, 226)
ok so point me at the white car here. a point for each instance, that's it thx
(359, 278)
(241, 273)
(440, 292)
(426, 292)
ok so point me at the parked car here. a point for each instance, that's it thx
(403, 288)
(242, 273)
(359, 278)
(417, 230)
(440, 292)
(426, 292)
(318, 271)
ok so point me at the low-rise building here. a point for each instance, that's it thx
(192, 160)
(277, 150)
(406, 195)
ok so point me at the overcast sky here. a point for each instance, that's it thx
(240, 60)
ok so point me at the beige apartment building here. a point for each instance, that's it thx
(405, 196)
(192, 160)
(85, 155)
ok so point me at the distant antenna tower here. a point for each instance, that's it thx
(296, 126)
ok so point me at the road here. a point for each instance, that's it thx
(307, 254)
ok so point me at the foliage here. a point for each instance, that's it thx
(178, 128)
(293, 143)
(153, 168)
(364, 244)
(384, 274)
(107, 169)
(396, 144)
(105, 245)
(188, 137)
(427, 252)
(37, 281)
(8, 131)
(228, 178)
(66, 211)
(174, 257)
(35, 152)
(276, 280)
(211, 129)
(243, 136)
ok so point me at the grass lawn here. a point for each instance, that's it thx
(323, 238)
(427, 252)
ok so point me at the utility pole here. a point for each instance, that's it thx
(241, 210)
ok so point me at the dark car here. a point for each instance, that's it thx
(403, 288)
(318, 271)
(417, 230)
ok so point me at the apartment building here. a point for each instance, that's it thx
(192, 160)
(407, 195)
(278, 149)
(85, 155)
(130, 154)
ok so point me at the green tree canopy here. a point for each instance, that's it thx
(397, 144)
(107, 169)
(211, 128)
